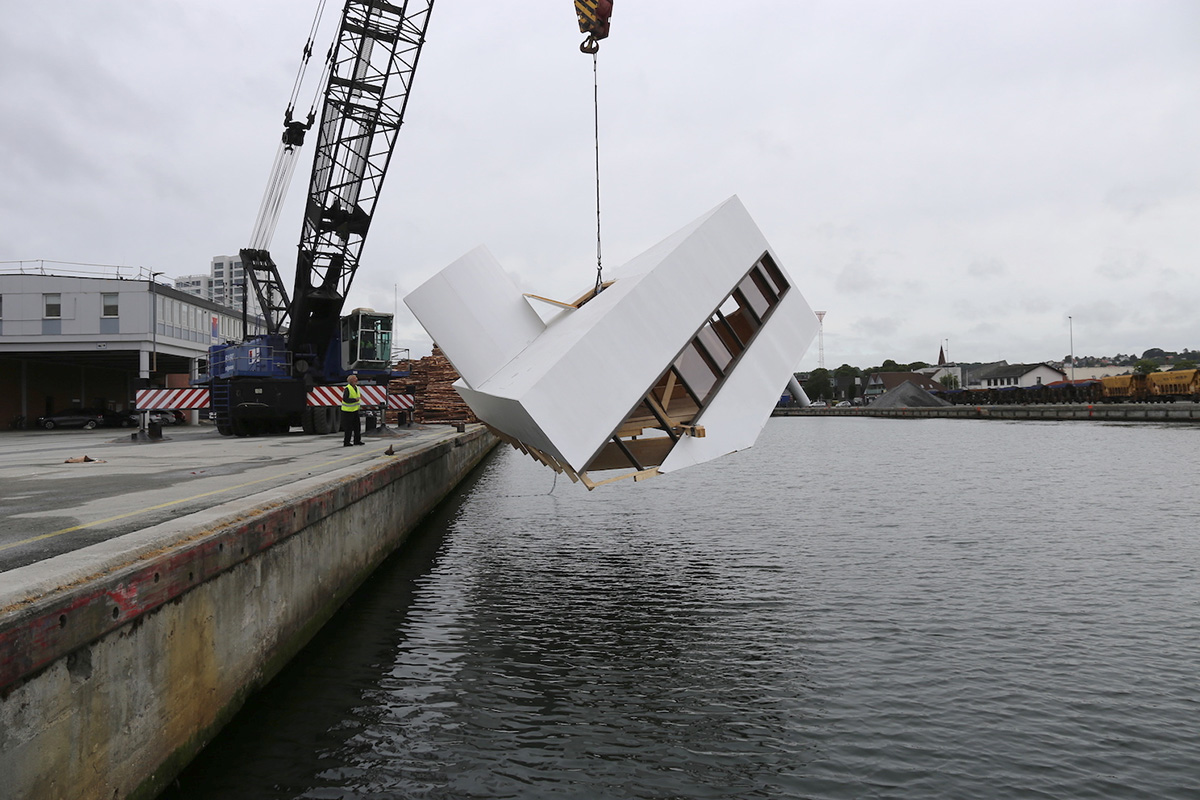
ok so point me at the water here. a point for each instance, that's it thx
(855, 608)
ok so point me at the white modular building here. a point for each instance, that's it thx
(678, 360)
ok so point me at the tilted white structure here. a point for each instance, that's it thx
(679, 360)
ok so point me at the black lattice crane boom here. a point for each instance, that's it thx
(373, 63)
(370, 71)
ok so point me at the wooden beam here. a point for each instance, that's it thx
(558, 303)
(669, 389)
(639, 475)
(590, 293)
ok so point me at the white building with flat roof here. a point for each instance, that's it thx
(68, 340)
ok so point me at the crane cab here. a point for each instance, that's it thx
(366, 340)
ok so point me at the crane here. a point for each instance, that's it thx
(264, 384)
(261, 385)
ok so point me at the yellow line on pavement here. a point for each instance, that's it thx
(173, 503)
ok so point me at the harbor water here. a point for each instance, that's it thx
(854, 608)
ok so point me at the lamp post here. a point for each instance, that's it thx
(143, 415)
(1071, 328)
(154, 324)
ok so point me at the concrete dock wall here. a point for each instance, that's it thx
(1117, 412)
(117, 668)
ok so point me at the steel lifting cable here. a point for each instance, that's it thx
(596, 123)
(273, 197)
(307, 54)
(285, 158)
(319, 90)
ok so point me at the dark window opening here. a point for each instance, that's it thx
(748, 291)
(697, 371)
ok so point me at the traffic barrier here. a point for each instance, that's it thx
(185, 399)
(171, 399)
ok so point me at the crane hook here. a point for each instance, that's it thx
(594, 21)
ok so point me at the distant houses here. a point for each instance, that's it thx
(1002, 374)
(948, 375)
(953, 376)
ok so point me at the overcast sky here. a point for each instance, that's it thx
(958, 172)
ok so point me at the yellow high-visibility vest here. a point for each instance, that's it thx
(352, 405)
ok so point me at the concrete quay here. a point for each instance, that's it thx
(145, 594)
(1115, 412)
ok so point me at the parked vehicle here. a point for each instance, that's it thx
(88, 418)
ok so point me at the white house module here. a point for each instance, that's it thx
(679, 360)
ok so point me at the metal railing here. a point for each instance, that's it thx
(77, 269)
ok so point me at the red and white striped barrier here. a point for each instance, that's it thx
(171, 399)
(325, 396)
(332, 395)
(182, 399)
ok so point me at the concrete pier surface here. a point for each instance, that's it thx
(144, 594)
(49, 507)
(1110, 412)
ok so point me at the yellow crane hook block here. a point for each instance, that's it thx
(593, 20)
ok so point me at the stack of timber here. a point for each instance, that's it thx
(436, 400)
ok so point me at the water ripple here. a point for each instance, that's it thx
(852, 609)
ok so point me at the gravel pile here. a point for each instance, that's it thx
(908, 395)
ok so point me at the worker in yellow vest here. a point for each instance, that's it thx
(351, 405)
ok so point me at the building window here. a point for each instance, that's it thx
(108, 303)
(53, 305)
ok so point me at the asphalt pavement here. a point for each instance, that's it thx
(54, 502)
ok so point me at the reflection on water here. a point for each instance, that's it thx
(853, 608)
